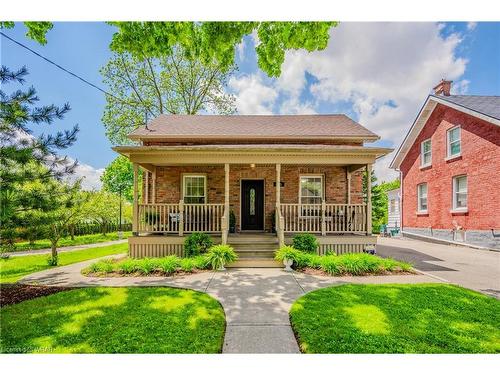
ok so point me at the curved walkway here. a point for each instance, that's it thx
(64, 249)
(256, 300)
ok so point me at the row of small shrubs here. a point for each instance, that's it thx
(216, 258)
(347, 264)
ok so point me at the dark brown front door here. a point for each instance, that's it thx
(252, 205)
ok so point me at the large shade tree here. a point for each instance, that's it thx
(146, 87)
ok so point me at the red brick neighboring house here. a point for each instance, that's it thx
(449, 166)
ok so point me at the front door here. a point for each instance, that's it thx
(252, 205)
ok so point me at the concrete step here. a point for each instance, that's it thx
(256, 254)
(255, 263)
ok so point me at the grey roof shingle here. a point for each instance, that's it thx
(253, 126)
(487, 105)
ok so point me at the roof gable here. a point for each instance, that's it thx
(337, 126)
(477, 106)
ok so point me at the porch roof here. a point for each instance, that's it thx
(253, 153)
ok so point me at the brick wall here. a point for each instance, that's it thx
(480, 161)
(168, 184)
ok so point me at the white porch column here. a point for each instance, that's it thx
(153, 200)
(135, 219)
(348, 186)
(146, 187)
(368, 199)
(278, 192)
(225, 223)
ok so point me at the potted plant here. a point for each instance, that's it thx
(220, 255)
(287, 255)
(232, 222)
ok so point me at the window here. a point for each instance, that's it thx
(392, 206)
(454, 143)
(425, 153)
(460, 193)
(311, 189)
(194, 188)
(422, 197)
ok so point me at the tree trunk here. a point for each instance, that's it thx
(54, 248)
(72, 232)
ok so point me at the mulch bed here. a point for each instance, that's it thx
(15, 293)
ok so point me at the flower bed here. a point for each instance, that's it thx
(339, 265)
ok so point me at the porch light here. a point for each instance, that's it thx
(252, 165)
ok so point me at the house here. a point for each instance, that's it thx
(276, 175)
(449, 167)
(393, 201)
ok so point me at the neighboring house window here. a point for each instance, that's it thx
(311, 189)
(454, 142)
(425, 153)
(422, 197)
(392, 206)
(194, 189)
(460, 193)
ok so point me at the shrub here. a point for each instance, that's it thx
(287, 252)
(305, 242)
(168, 264)
(128, 266)
(330, 264)
(219, 255)
(102, 266)
(200, 262)
(146, 265)
(197, 243)
(52, 260)
(187, 264)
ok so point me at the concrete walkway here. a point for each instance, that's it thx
(256, 300)
(471, 268)
(65, 248)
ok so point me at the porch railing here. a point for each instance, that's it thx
(324, 218)
(180, 217)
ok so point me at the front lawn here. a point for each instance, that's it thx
(14, 268)
(67, 241)
(115, 320)
(399, 318)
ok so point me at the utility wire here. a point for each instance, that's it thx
(68, 71)
(62, 68)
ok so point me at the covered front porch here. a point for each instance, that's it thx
(340, 216)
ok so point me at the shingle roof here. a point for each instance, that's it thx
(487, 105)
(253, 126)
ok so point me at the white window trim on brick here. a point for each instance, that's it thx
(449, 156)
(419, 198)
(320, 176)
(187, 175)
(456, 192)
(423, 153)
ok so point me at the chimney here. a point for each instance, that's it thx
(443, 88)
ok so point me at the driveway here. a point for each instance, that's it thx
(256, 301)
(471, 268)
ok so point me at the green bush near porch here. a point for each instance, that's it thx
(398, 318)
(115, 320)
(346, 264)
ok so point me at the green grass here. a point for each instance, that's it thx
(115, 320)
(14, 268)
(67, 241)
(399, 318)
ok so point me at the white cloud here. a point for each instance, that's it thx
(89, 175)
(252, 95)
(471, 25)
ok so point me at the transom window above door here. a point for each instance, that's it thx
(311, 189)
(194, 188)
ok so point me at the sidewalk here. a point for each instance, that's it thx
(64, 248)
(256, 301)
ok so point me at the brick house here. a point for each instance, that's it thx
(275, 175)
(449, 167)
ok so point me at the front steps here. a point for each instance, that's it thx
(254, 250)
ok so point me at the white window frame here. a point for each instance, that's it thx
(455, 192)
(448, 143)
(420, 210)
(422, 154)
(204, 176)
(311, 176)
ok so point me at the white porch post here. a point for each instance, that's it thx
(279, 222)
(154, 187)
(146, 187)
(181, 218)
(225, 224)
(368, 199)
(135, 219)
(348, 186)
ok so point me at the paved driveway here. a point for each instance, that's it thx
(470, 268)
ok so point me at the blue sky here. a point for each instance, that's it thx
(377, 73)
